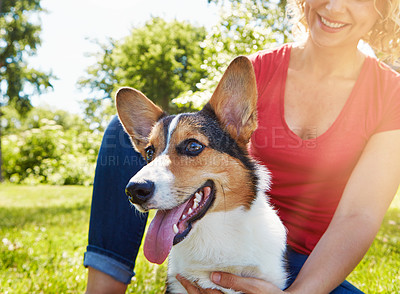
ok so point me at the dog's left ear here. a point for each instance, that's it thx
(235, 100)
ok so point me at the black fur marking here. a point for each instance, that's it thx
(221, 141)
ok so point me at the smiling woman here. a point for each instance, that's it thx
(383, 33)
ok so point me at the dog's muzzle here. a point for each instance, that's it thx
(139, 192)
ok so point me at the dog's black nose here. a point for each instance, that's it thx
(139, 192)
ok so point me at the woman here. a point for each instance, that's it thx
(329, 131)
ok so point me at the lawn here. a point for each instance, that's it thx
(43, 235)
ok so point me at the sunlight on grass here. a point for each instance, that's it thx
(43, 233)
(379, 271)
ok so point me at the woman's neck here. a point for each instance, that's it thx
(325, 62)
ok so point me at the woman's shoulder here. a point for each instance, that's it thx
(381, 90)
(271, 54)
(383, 73)
(266, 62)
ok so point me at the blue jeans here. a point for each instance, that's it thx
(295, 263)
(116, 228)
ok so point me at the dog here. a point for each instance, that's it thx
(213, 213)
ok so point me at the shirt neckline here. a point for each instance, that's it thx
(342, 112)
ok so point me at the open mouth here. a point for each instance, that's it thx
(331, 24)
(195, 209)
(169, 227)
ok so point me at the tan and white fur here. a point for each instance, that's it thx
(231, 226)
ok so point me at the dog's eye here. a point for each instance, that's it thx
(149, 151)
(193, 147)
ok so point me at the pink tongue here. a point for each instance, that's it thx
(160, 235)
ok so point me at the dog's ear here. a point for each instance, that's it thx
(235, 100)
(138, 114)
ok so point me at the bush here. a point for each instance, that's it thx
(50, 154)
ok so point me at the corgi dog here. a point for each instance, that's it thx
(213, 213)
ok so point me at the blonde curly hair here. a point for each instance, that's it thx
(384, 37)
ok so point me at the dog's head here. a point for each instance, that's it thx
(197, 162)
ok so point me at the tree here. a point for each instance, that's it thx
(19, 39)
(161, 59)
(144, 59)
(245, 26)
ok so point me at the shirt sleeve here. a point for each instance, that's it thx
(262, 61)
(391, 116)
(266, 62)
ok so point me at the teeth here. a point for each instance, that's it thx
(198, 197)
(175, 228)
(332, 24)
(196, 204)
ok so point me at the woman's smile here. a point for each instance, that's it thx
(330, 25)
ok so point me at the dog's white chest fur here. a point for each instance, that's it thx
(243, 242)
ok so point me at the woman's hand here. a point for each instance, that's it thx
(230, 281)
(194, 288)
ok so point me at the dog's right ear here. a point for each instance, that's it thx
(234, 101)
(138, 114)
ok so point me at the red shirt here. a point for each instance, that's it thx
(309, 176)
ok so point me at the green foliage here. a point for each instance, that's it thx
(179, 62)
(14, 123)
(245, 27)
(47, 147)
(19, 38)
(162, 59)
(101, 80)
(43, 233)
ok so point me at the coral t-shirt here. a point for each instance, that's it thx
(309, 176)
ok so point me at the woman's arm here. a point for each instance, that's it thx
(365, 200)
(358, 217)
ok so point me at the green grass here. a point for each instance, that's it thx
(43, 235)
(43, 232)
(379, 271)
